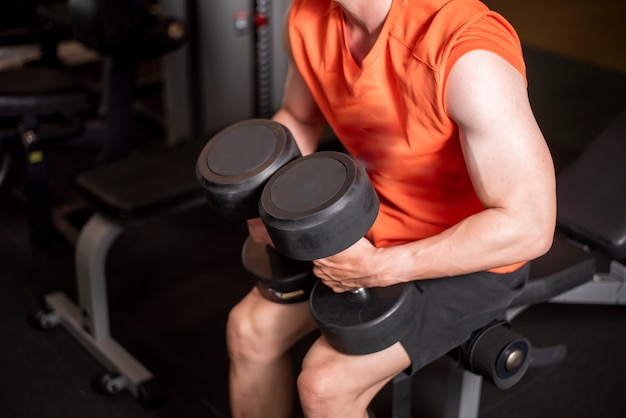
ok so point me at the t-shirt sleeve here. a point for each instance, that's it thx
(493, 33)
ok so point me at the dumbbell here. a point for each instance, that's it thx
(317, 206)
(278, 278)
(232, 168)
(236, 163)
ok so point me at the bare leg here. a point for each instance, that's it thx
(259, 335)
(333, 384)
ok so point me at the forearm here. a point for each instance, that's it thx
(484, 241)
(306, 133)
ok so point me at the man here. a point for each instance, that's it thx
(431, 96)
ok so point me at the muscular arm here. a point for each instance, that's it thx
(298, 111)
(512, 172)
(300, 114)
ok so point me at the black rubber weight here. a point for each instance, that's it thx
(278, 278)
(235, 165)
(367, 320)
(318, 205)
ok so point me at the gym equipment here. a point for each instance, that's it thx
(39, 22)
(126, 190)
(496, 352)
(42, 105)
(278, 278)
(364, 320)
(50, 105)
(317, 206)
(233, 168)
(313, 207)
(584, 265)
(132, 191)
(46, 114)
(600, 226)
(237, 162)
(208, 87)
(124, 33)
(123, 194)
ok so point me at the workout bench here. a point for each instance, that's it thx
(585, 265)
(124, 193)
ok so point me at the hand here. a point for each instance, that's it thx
(350, 269)
(258, 232)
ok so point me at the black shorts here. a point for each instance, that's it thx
(451, 308)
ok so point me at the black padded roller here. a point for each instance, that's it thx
(497, 353)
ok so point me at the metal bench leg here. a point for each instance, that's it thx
(462, 393)
(606, 288)
(89, 321)
(401, 396)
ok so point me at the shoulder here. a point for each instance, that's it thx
(484, 88)
(438, 30)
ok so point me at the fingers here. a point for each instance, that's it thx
(349, 269)
(258, 232)
(334, 276)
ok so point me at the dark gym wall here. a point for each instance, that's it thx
(214, 78)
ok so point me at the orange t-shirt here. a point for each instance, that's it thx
(389, 112)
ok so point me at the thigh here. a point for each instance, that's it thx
(363, 375)
(450, 309)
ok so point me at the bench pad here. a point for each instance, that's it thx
(562, 268)
(590, 193)
(144, 185)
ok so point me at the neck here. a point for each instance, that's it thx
(364, 21)
(367, 16)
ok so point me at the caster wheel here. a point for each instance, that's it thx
(110, 384)
(149, 393)
(46, 319)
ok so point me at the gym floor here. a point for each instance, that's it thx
(172, 280)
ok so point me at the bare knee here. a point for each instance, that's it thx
(332, 384)
(248, 336)
(262, 331)
(241, 333)
(320, 388)
(329, 389)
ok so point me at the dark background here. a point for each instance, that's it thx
(172, 280)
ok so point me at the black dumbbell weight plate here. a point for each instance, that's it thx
(278, 278)
(237, 162)
(318, 205)
(366, 320)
